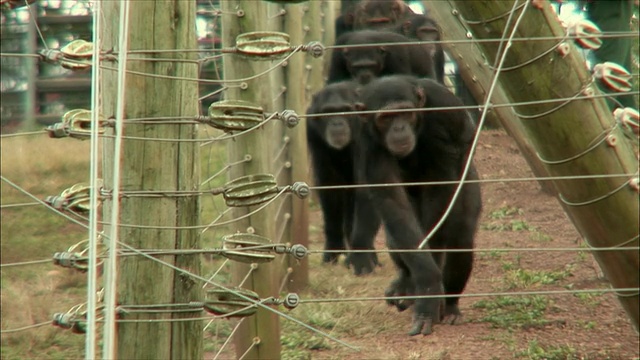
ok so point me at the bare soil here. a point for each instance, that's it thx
(516, 214)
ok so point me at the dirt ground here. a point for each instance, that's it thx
(515, 215)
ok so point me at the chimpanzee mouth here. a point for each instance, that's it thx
(338, 142)
(379, 21)
(402, 148)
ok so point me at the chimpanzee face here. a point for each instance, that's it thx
(365, 63)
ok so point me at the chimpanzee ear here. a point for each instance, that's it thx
(349, 19)
(420, 95)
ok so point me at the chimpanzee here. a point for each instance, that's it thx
(370, 14)
(399, 146)
(424, 28)
(331, 142)
(367, 62)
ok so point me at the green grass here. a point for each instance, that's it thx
(512, 225)
(535, 351)
(508, 312)
(505, 212)
(519, 278)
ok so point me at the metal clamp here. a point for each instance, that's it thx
(250, 190)
(75, 199)
(74, 319)
(263, 45)
(629, 118)
(586, 33)
(76, 123)
(228, 303)
(232, 115)
(76, 256)
(247, 248)
(614, 76)
(76, 55)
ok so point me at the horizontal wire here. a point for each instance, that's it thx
(28, 327)
(476, 250)
(31, 262)
(221, 251)
(467, 295)
(9, 206)
(345, 113)
(479, 181)
(604, 35)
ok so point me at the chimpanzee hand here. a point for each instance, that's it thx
(402, 286)
(363, 263)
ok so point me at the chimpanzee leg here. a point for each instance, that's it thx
(402, 285)
(456, 272)
(427, 279)
(365, 226)
(332, 205)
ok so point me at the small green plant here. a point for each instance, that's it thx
(538, 236)
(523, 278)
(509, 311)
(590, 299)
(513, 225)
(506, 211)
(536, 352)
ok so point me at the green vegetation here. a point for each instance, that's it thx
(537, 352)
(523, 278)
(509, 312)
(505, 212)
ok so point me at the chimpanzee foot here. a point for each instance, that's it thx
(400, 304)
(421, 325)
(362, 263)
(330, 257)
(451, 315)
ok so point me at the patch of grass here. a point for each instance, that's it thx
(586, 324)
(590, 299)
(535, 351)
(540, 237)
(513, 225)
(505, 211)
(523, 278)
(492, 255)
(508, 312)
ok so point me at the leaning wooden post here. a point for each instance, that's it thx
(163, 158)
(258, 337)
(572, 138)
(297, 148)
(477, 77)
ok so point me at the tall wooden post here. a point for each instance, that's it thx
(259, 333)
(297, 148)
(477, 77)
(155, 165)
(575, 138)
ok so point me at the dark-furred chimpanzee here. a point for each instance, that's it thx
(331, 143)
(424, 28)
(364, 63)
(370, 14)
(399, 146)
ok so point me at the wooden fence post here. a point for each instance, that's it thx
(258, 337)
(161, 162)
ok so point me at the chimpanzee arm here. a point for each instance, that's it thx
(392, 202)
